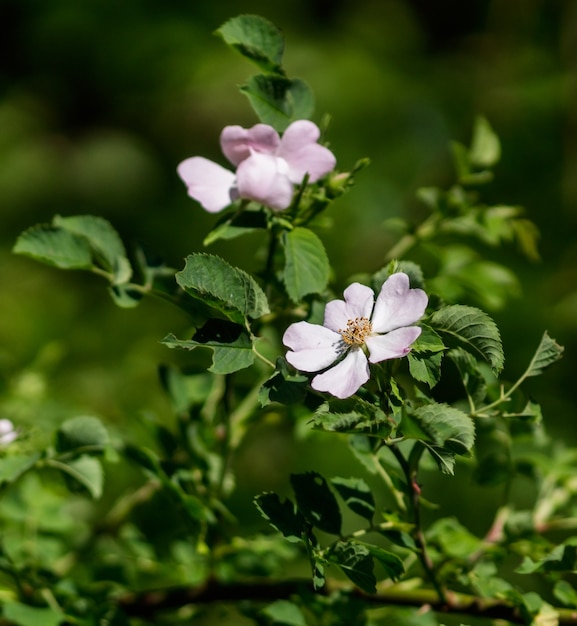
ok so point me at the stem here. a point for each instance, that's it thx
(387, 480)
(410, 470)
(406, 242)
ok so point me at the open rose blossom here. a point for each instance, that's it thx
(338, 348)
(267, 167)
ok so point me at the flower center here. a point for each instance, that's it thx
(357, 331)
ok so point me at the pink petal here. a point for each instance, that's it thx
(301, 151)
(208, 183)
(393, 345)
(397, 305)
(263, 178)
(346, 377)
(313, 347)
(359, 300)
(238, 143)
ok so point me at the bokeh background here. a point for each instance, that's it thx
(101, 99)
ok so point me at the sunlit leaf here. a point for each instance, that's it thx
(55, 246)
(25, 615)
(471, 329)
(548, 352)
(284, 613)
(307, 267)
(81, 433)
(485, 148)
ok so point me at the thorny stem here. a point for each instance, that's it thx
(410, 471)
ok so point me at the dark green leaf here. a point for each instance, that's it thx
(228, 289)
(55, 246)
(80, 433)
(471, 329)
(278, 100)
(357, 564)
(257, 39)
(392, 564)
(317, 502)
(357, 496)
(282, 515)
(226, 357)
(442, 425)
(548, 352)
(283, 387)
(236, 225)
(85, 471)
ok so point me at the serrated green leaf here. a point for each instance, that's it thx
(307, 266)
(356, 562)
(80, 433)
(25, 615)
(357, 496)
(485, 148)
(230, 290)
(391, 563)
(425, 368)
(257, 39)
(441, 425)
(317, 502)
(444, 459)
(353, 416)
(284, 613)
(283, 387)
(227, 357)
(55, 246)
(107, 248)
(87, 472)
(278, 100)
(548, 352)
(471, 329)
(282, 515)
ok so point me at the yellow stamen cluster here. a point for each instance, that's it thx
(357, 331)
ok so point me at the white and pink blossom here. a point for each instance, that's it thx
(7, 432)
(353, 327)
(267, 166)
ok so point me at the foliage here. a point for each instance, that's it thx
(363, 537)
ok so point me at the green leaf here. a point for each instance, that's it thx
(87, 472)
(229, 353)
(80, 433)
(257, 39)
(284, 613)
(356, 562)
(425, 368)
(548, 352)
(13, 466)
(471, 329)
(25, 615)
(282, 515)
(453, 539)
(485, 148)
(283, 387)
(55, 246)
(563, 558)
(317, 502)
(391, 563)
(442, 425)
(307, 267)
(565, 593)
(228, 289)
(107, 248)
(357, 496)
(353, 416)
(278, 100)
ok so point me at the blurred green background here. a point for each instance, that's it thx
(101, 99)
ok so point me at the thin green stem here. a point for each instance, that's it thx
(408, 241)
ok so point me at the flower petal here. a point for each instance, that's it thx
(346, 377)
(359, 300)
(301, 151)
(238, 143)
(393, 345)
(263, 178)
(313, 347)
(208, 183)
(397, 305)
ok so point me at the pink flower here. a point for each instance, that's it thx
(7, 432)
(267, 166)
(351, 328)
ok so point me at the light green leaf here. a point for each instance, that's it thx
(55, 246)
(357, 564)
(257, 39)
(548, 352)
(425, 368)
(80, 433)
(307, 267)
(317, 502)
(230, 290)
(87, 472)
(284, 613)
(357, 496)
(107, 248)
(471, 329)
(25, 615)
(485, 148)
(13, 466)
(227, 357)
(442, 425)
(278, 100)
(282, 515)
